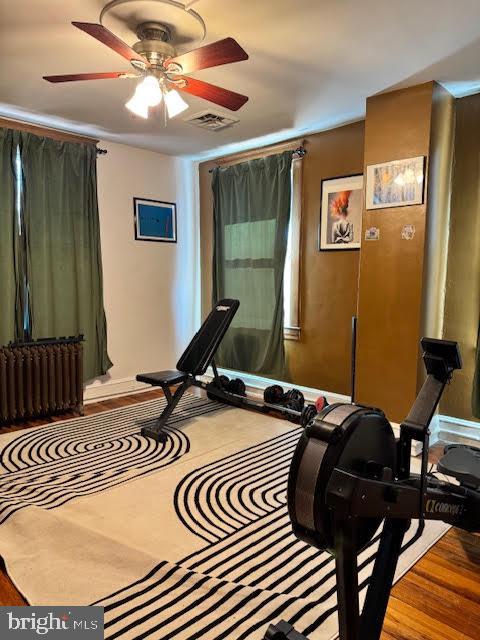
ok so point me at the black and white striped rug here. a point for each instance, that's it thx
(185, 540)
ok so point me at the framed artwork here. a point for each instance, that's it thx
(154, 220)
(398, 183)
(341, 213)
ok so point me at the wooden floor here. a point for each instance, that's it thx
(438, 599)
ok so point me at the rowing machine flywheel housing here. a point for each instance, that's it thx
(346, 437)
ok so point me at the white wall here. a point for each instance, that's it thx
(149, 287)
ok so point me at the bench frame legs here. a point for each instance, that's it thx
(157, 431)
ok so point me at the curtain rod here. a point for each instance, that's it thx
(47, 132)
(299, 152)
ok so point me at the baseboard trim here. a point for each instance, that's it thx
(112, 389)
(256, 384)
(450, 429)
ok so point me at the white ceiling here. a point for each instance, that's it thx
(312, 64)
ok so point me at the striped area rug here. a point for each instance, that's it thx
(183, 540)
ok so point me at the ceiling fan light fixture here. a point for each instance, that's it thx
(175, 103)
(154, 56)
(147, 94)
(137, 106)
(149, 91)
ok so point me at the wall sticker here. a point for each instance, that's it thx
(373, 233)
(408, 232)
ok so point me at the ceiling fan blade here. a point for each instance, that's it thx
(109, 39)
(212, 55)
(86, 76)
(223, 97)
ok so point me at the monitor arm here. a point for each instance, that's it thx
(441, 358)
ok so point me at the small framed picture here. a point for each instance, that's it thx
(154, 220)
(398, 183)
(341, 213)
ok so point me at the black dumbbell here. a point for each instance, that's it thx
(293, 405)
(236, 386)
(303, 417)
(292, 399)
(273, 394)
(291, 413)
(308, 414)
(220, 383)
(223, 382)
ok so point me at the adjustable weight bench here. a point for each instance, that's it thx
(193, 362)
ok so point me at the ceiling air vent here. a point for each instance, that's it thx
(212, 120)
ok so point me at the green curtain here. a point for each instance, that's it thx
(251, 214)
(11, 276)
(476, 381)
(63, 253)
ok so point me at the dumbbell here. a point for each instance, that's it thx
(303, 417)
(308, 414)
(292, 399)
(294, 408)
(294, 405)
(222, 383)
(311, 410)
(273, 394)
(236, 386)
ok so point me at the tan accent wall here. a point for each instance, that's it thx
(328, 290)
(398, 125)
(328, 280)
(462, 303)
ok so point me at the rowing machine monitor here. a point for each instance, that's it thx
(349, 473)
(441, 357)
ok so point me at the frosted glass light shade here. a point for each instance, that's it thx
(137, 106)
(175, 103)
(149, 91)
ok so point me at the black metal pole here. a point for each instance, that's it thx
(381, 580)
(353, 356)
(215, 370)
(347, 580)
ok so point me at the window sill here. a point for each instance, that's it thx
(291, 333)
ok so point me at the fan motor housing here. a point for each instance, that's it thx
(154, 43)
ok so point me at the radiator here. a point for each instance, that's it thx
(41, 378)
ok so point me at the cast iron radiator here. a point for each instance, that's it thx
(41, 378)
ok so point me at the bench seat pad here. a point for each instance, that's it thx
(161, 378)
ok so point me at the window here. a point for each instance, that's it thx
(291, 274)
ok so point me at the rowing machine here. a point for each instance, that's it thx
(349, 473)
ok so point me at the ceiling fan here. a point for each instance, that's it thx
(162, 72)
